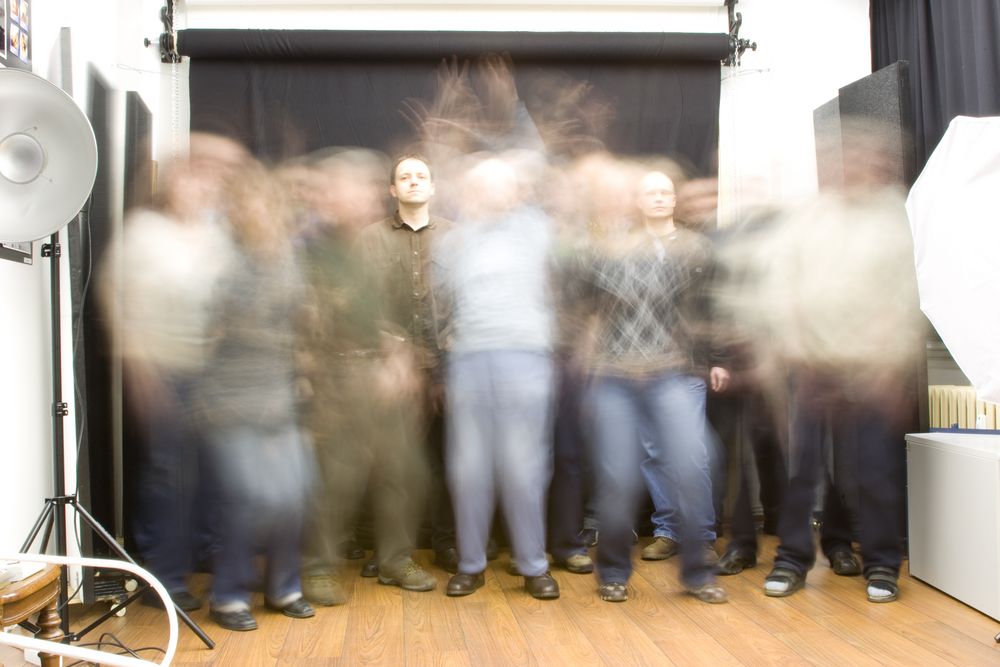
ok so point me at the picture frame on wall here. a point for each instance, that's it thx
(3, 30)
(15, 33)
(16, 252)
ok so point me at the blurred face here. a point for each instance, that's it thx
(491, 187)
(412, 182)
(656, 197)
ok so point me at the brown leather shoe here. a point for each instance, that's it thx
(542, 587)
(661, 548)
(464, 584)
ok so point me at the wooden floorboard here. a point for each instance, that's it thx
(828, 623)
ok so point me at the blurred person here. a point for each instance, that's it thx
(848, 359)
(574, 198)
(493, 270)
(401, 248)
(157, 285)
(247, 401)
(645, 283)
(831, 301)
(366, 412)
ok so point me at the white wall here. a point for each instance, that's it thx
(807, 50)
(106, 34)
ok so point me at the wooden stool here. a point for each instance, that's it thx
(37, 593)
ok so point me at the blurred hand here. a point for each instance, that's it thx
(697, 203)
(718, 379)
(396, 377)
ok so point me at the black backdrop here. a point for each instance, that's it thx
(283, 93)
(953, 49)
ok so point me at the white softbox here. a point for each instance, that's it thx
(953, 212)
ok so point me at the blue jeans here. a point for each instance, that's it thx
(176, 496)
(499, 443)
(264, 480)
(669, 408)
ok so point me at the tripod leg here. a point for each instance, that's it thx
(46, 513)
(121, 553)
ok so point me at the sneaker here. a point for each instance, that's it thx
(409, 576)
(589, 536)
(661, 548)
(577, 564)
(324, 590)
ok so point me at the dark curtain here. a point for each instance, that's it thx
(954, 55)
(284, 93)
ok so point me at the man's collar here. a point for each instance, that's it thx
(397, 222)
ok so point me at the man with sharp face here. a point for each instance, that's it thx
(399, 249)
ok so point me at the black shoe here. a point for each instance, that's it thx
(542, 587)
(370, 569)
(240, 620)
(734, 562)
(184, 600)
(447, 560)
(845, 563)
(298, 608)
(464, 584)
(351, 550)
(783, 582)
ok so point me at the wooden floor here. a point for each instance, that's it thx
(828, 623)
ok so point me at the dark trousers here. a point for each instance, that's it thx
(567, 490)
(440, 517)
(854, 422)
(761, 430)
(177, 496)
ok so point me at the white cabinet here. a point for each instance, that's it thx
(953, 493)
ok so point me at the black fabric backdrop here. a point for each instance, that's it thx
(284, 93)
(954, 56)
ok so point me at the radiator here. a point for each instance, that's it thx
(957, 407)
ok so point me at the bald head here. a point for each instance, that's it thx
(657, 198)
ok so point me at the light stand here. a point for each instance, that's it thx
(39, 185)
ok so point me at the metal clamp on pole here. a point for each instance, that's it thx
(737, 45)
(168, 38)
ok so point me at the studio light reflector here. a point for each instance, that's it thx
(48, 157)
